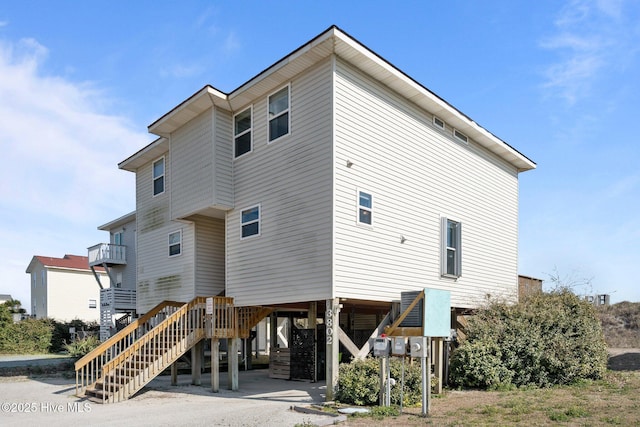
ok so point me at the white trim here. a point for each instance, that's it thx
(250, 130)
(460, 136)
(164, 176)
(287, 111)
(169, 244)
(259, 221)
(359, 206)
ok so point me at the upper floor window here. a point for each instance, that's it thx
(158, 176)
(279, 114)
(117, 238)
(242, 132)
(93, 303)
(365, 208)
(451, 248)
(251, 222)
(175, 243)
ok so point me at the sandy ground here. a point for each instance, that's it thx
(259, 402)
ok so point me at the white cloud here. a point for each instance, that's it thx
(592, 37)
(231, 44)
(59, 179)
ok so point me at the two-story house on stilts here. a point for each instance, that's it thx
(321, 189)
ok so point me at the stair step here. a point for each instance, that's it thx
(99, 385)
(96, 395)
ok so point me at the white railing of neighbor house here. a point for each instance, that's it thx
(107, 253)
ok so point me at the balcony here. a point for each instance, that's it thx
(105, 253)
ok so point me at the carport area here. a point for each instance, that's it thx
(260, 401)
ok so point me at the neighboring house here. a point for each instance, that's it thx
(528, 286)
(4, 298)
(329, 183)
(118, 259)
(64, 288)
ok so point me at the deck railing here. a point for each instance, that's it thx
(106, 253)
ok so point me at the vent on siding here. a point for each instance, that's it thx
(414, 318)
(460, 136)
(439, 123)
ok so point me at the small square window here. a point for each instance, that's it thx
(93, 303)
(279, 114)
(250, 219)
(242, 123)
(175, 243)
(365, 208)
(158, 176)
(460, 136)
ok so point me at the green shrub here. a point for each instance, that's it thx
(61, 335)
(79, 348)
(359, 382)
(30, 336)
(550, 338)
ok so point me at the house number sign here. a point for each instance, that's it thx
(329, 322)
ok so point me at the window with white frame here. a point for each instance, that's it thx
(158, 176)
(279, 114)
(365, 208)
(451, 247)
(242, 123)
(250, 221)
(175, 243)
(93, 303)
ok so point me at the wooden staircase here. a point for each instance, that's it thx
(129, 360)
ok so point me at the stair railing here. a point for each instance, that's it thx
(89, 368)
(155, 351)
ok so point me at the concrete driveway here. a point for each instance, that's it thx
(261, 401)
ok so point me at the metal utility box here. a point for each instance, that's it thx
(419, 346)
(398, 346)
(381, 347)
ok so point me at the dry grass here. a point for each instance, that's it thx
(621, 324)
(614, 400)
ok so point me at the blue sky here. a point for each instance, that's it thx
(558, 80)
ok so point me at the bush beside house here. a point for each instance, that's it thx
(36, 336)
(547, 339)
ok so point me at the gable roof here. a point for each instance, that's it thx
(333, 41)
(70, 262)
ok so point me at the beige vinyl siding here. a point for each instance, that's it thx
(291, 179)
(416, 173)
(160, 277)
(223, 180)
(209, 247)
(201, 170)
